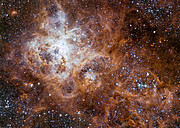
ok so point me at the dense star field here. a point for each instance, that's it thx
(89, 63)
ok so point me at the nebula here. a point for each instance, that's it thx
(91, 61)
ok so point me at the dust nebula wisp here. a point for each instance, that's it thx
(90, 59)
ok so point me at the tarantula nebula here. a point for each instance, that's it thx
(93, 63)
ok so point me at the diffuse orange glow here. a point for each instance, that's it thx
(13, 13)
